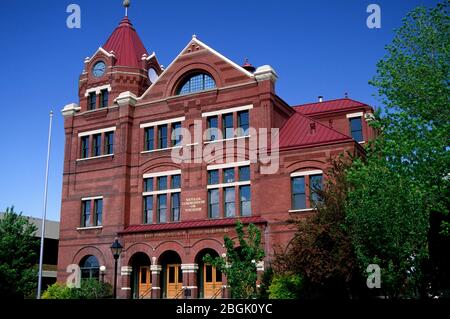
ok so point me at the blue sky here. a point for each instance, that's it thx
(317, 48)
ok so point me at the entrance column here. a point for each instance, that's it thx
(190, 288)
(125, 290)
(156, 281)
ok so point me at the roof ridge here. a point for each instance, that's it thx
(327, 101)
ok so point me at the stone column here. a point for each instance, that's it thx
(190, 280)
(125, 290)
(156, 281)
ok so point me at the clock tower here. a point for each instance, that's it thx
(121, 64)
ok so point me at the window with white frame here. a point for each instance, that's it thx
(228, 123)
(91, 211)
(231, 183)
(305, 189)
(162, 197)
(97, 143)
(162, 135)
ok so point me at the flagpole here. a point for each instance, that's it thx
(41, 254)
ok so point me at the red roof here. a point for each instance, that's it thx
(193, 224)
(300, 130)
(126, 44)
(328, 106)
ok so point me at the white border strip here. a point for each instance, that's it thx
(358, 114)
(163, 191)
(102, 130)
(91, 198)
(305, 173)
(162, 122)
(166, 173)
(97, 89)
(230, 110)
(227, 165)
(243, 183)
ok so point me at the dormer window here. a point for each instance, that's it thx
(195, 83)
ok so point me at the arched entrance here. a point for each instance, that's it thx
(141, 277)
(209, 279)
(171, 275)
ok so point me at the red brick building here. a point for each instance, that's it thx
(121, 178)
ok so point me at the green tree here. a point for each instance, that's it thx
(239, 264)
(404, 181)
(18, 255)
(321, 252)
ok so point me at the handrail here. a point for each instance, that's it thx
(145, 293)
(217, 293)
(179, 293)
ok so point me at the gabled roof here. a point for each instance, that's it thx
(297, 132)
(197, 42)
(126, 44)
(329, 106)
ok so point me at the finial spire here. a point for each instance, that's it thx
(126, 4)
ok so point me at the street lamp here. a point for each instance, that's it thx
(116, 249)
(102, 273)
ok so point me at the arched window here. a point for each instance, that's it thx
(196, 82)
(89, 267)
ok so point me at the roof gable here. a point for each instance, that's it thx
(197, 55)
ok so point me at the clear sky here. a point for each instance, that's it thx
(317, 47)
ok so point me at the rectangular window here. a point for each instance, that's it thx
(245, 200)
(92, 101)
(176, 181)
(229, 201)
(162, 183)
(315, 184)
(86, 213)
(213, 203)
(244, 173)
(162, 136)
(175, 203)
(228, 128)
(176, 134)
(109, 143)
(148, 184)
(213, 177)
(228, 175)
(149, 138)
(162, 208)
(212, 123)
(148, 209)
(97, 145)
(243, 123)
(104, 98)
(298, 193)
(356, 129)
(98, 210)
(85, 147)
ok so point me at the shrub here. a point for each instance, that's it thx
(285, 286)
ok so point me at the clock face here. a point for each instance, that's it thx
(99, 69)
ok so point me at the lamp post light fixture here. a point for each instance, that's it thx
(116, 249)
(102, 272)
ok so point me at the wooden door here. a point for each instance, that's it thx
(145, 282)
(212, 282)
(174, 280)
